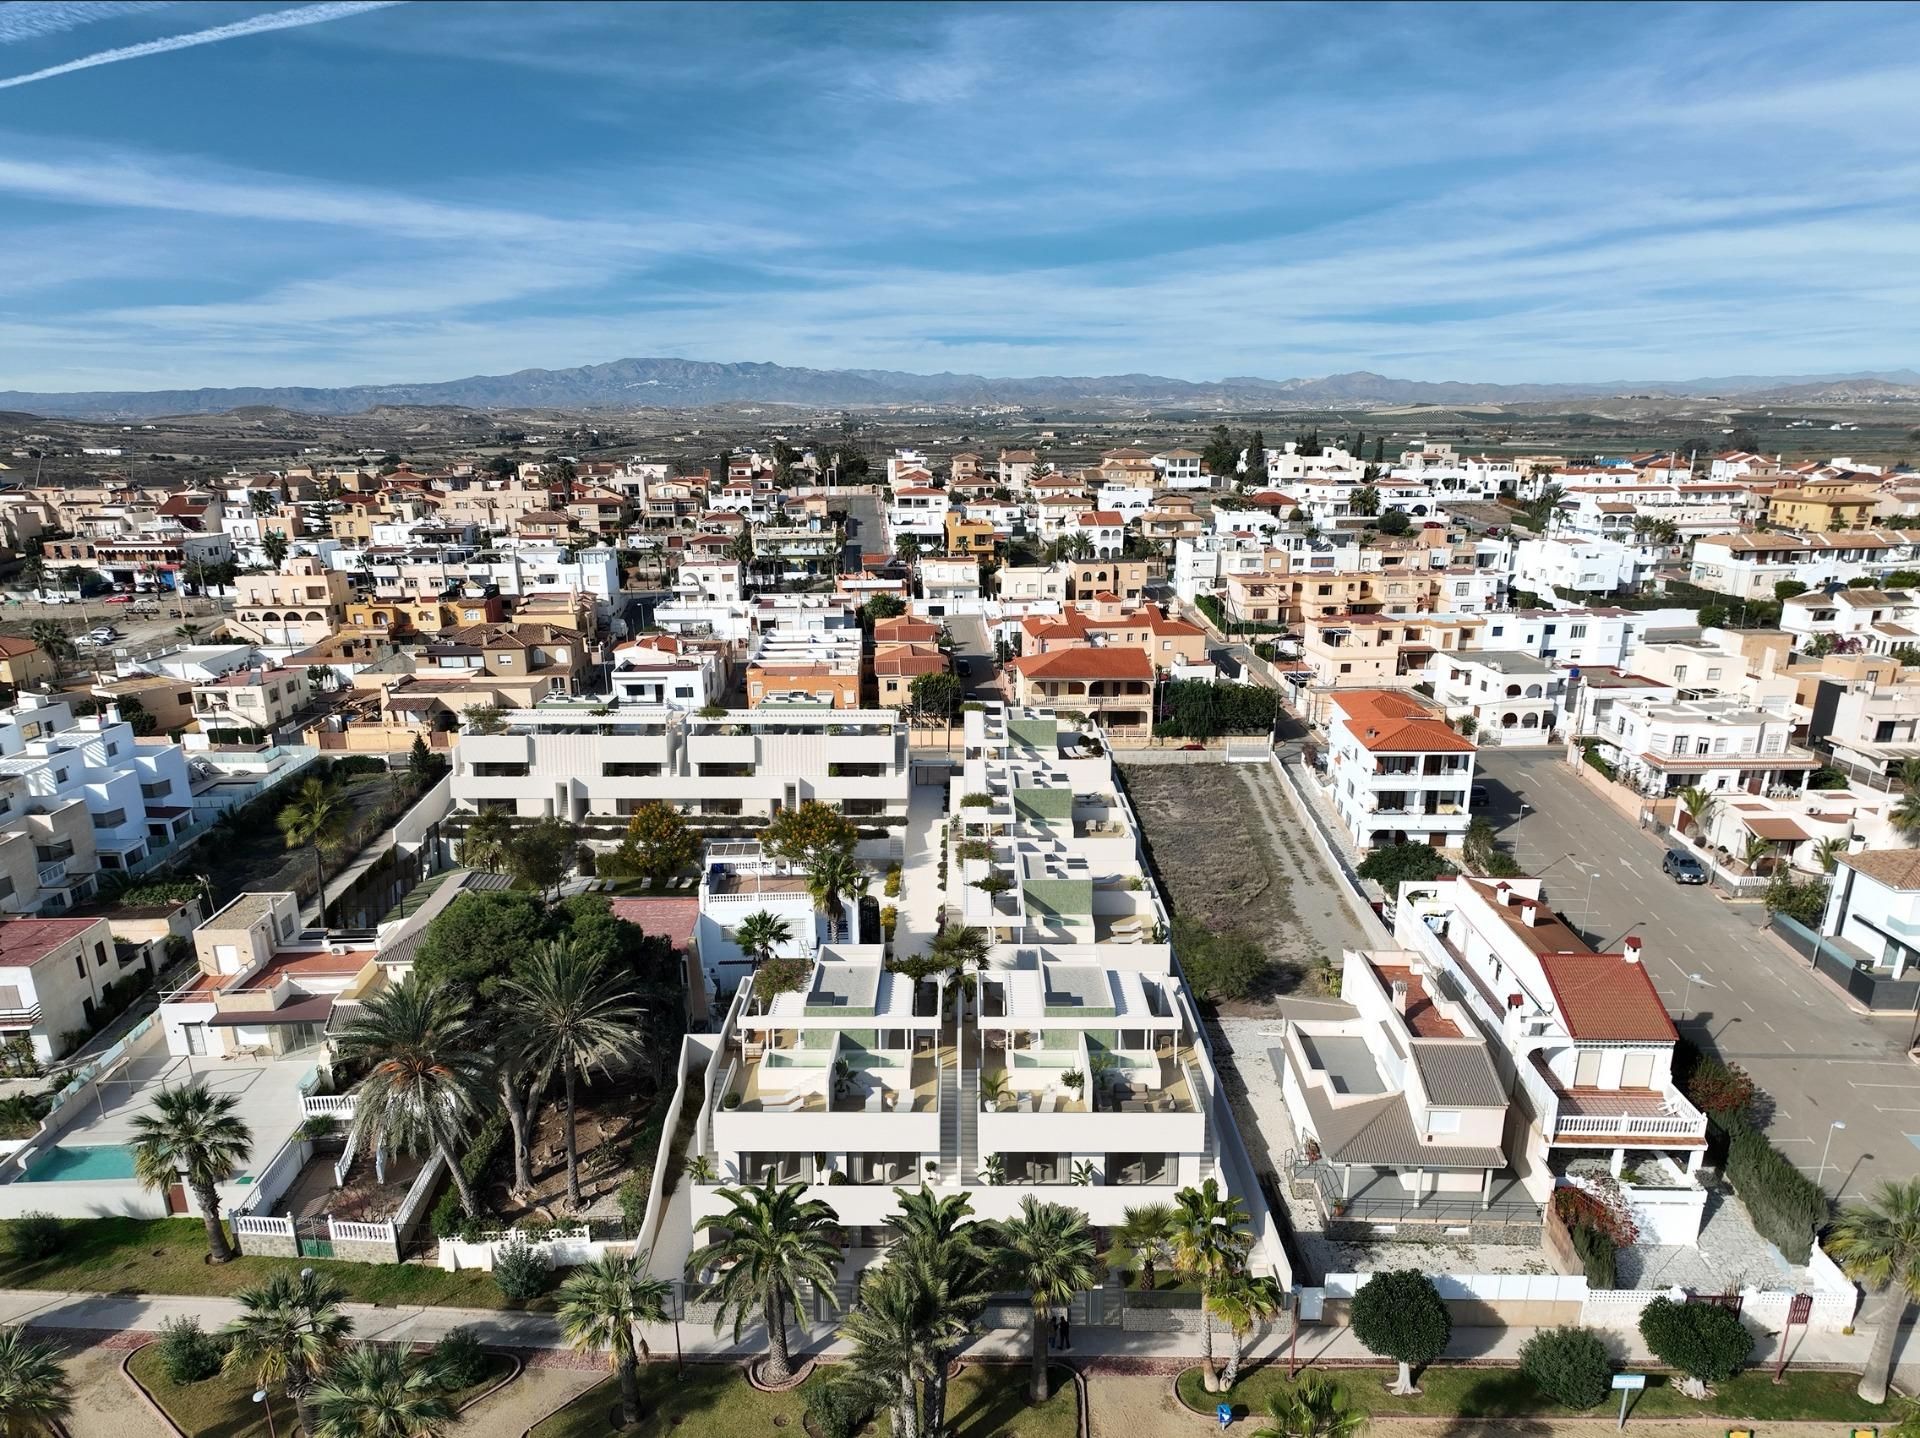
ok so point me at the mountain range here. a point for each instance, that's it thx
(685, 384)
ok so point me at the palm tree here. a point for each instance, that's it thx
(1828, 851)
(960, 948)
(188, 632)
(55, 643)
(577, 1016)
(483, 844)
(1210, 1242)
(1906, 815)
(1079, 546)
(1878, 1244)
(1365, 501)
(1700, 806)
(602, 1305)
(1315, 1407)
(943, 1251)
(428, 1074)
(316, 817)
(1242, 1302)
(192, 1136)
(1756, 853)
(1049, 1251)
(771, 1241)
(895, 1335)
(1146, 1237)
(762, 934)
(376, 1390)
(833, 876)
(273, 545)
(33, 1387)
(290, 1331)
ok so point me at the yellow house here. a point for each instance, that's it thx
(968, 536)
(23, 664)
(1822, 507)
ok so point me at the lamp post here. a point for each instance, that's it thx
(260, 1397)
(1687, 997)
(1835, 1127)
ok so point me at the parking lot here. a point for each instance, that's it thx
(1755, 1002)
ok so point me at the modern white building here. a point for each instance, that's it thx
(1876, 621)
(1512, 697)
(1719, 745)
(571, 762)
(664, 672)
(1396, 772)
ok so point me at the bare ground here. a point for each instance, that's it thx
(1231, 854)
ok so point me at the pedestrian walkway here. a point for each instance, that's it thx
(919, 902)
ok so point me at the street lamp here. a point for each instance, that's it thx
(1832, 1129)
(260, 1397)
(1687, 997)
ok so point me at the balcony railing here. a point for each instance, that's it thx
(328, 1105)
(1631, 1124)
(19, 1018)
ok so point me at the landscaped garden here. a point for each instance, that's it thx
(715, 1399)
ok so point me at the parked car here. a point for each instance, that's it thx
(1683, 868)
(963, 667)
(1479, 798)
(119, 599)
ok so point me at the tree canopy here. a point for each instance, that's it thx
(1202, 709)
(806, 833)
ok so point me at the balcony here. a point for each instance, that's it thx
(12, 1020)
(1609, 1116)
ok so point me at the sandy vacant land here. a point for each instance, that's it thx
(1230, 850)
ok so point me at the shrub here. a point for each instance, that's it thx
(891, 886)
(188, 1353)
(521, 1271)
(1394, 864)
(1596, 1202)
(1702, 1340)
(447, 1220)
(1721, 1091)
(1598, 1257)
(836, 1409)
(1570, 1365)
(1785, 1205)
(632, 1198)
(34, 1236)
(458, 1359)
(1218, 966)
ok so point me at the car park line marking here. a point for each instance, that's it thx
(1747, 1006)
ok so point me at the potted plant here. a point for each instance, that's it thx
(1074, 1080)
(993, 1171)
(731, 1101)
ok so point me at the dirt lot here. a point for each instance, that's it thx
(1230, 851)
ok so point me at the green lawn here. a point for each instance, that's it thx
(167, 1255)
(1505, 1393)
(222, 1406)
(714, 1400)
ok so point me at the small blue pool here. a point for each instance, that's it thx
(79, 1163)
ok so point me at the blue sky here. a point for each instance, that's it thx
(342, 193)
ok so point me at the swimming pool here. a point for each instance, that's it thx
(80, 1163)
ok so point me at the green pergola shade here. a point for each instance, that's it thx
(1043, 803)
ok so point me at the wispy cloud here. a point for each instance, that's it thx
(238, 29)
(25, 20)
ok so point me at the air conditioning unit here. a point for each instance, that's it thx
(336, 948)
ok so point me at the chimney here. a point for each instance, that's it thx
(1632, 949)
(1530, 914)
(1399, 992)
(1503, 893)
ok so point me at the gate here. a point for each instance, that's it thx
(313, 1238)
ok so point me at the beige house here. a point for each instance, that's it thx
(301, 605)
(52, 976)
(260, 699)
(23, 664)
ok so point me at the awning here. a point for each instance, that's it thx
(1776, 829)
(300, 1011)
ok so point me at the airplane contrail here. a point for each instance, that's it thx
(257, 25)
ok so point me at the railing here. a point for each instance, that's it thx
(341, 1232)
(342, 1168)
(423, 1185)
(247, 1225)
(1647, 1125)
(52, 875)
(328, 1105)
(20, 1018)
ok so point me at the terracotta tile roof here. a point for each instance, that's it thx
(1102, 516)
(27, 941)
(1607, 998)
(1896, 868)
(11, 648)
(1119, 662)
(675, 919)
(1386, 721)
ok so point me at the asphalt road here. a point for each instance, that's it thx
(1757, 1003)
(866, 528)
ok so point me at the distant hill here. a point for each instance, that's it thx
(680, 383)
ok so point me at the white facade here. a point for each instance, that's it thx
(1719, 745)
(1396, 774)
(1512, 698)
(1584, 566)
(647, 676)
(1874, 620)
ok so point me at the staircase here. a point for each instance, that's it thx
(969, 1127)
(950, 1104)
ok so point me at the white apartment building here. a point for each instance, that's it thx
(1512, 697)
(948, 586)
(662, 672)
(572, 763)
(919, 510)
(1874, 621)
(1581, 1039)
(1105, 530)
(1074, 1071)
(1747, 566)
(1600, 635)
(1181, 469)
(738, 879)
(1720, 745)
(515, 571)
(1580, 566)
(260, 699)
(1396, 772)
(78, 796)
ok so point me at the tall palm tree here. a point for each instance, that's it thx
(960, 948)
(762, 934)
(316, 818)
(377, 1390)
(945, 1255)
(33, 1387)
(1242, 1302)
(290, 1331)
(1146, 1237)
(273, 545)
(1049, 1251)
(602, 1305)
(771, 1241)
(1700, 805)
(427, 1076)
(578, 1015)
(895, 1333)
(833, 876)
(1878, 1244)
(192, 1136)
(55, 643)
(483, 844)
(1315, 1407)
(1210, 1242)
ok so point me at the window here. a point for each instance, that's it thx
(112, 750)
(1679, 672)
(100, 956)
(109, 818)
(1576, 631)
(1443, 1120)
(1713, 674)
(80, 965)
(1498, 630)
(1346, 669)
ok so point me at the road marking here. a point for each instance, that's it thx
(1747, 1006)
(1788, 1047)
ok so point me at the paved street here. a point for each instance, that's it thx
(1758, 1004)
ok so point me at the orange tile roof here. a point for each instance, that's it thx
(1607, 998)
(1386, 721)
(1119, 662)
